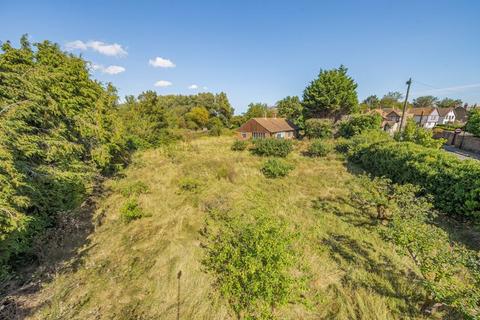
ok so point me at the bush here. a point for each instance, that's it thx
(134, 189)
(251, 259)
(215, 131)
(473, 123)
(131, 210)
(318, 148)
(352, 147)
(318, 128)
(359, 123)
(454, 184)
(419, 135)
(272, 147)
(189, 184)
(239, 145)
(275, 168)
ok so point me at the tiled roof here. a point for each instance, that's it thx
(444, 111)
(421, 111)
(276, 124)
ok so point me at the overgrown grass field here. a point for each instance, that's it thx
(151, 266)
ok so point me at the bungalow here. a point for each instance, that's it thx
(259, 128)
(425, 117)
(446, 115)
(393, 115)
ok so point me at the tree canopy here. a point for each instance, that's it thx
(425, 102)
(332, 94)
(292, 109)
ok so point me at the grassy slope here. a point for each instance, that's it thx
(129, 271)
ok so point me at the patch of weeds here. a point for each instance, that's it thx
(131, 210)
(226, 171)
(189, 184)
(318, 148)
(275, 168)
(134, 189)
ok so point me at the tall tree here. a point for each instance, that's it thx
(372, 101)
(332, 94)
(449, 103)
(391, 100)
(292, 109)
(425, 102)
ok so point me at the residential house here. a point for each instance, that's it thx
(446, 115)
(392, 115)
(259, 128)
(425, 117)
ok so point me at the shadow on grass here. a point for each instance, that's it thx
(379, 274)
(56, 251)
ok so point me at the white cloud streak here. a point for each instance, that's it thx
(162, 83)
(107, 49)
(193, 87)
(108, 70)
(160, 62)
(448, 90)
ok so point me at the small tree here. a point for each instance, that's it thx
(292, 109)
(332, 94)
(419, 135)
(198, 115)
(473, 123)
(318, 128)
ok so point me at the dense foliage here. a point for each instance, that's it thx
(291, 108)
(276, 168)
(416, 134)
(318, 148)
(57, 130)
(454, 184)
(473, 123)
(239, 145)
(448, 272)
(251, 259)
(331, 95)
(359, 123)
(272, 147)
(318, 128)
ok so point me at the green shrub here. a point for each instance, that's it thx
(131, 210)
(215, 131)
(413, 133)
(454, 184)
(275, 168)
(251, 259)
(226, 171)
(134, 189)
(189, 184)
(352, 147)
(318, 128)
(473, 123)
(272, 147)
(239, 145)
(359, 123)
(318, 148)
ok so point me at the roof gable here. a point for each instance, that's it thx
(271, 124)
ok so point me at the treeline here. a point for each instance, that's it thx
(60, 129)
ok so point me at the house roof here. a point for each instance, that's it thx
(421, 111)
(275, 124)
(460, 113)
(442, 112)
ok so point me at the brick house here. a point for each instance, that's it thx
(259, 128)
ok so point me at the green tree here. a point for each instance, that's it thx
(332, 94)
(392, 100)
(414, 133)
(473, 122)
(425, 102)
(199, 115)
(372, 102)
(292, 109)
(449, 103)
(258, 110)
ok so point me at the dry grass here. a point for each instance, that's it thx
(129, 271)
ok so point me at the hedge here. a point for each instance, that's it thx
(454, 184)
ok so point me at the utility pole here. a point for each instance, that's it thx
(409, 82)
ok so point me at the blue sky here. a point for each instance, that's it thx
(262, 51)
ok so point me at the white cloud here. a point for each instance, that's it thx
(107, 70)
(162, 83)
(159, 62)
(193, 87)
(76, 45)
(205, 88)
(113, 49)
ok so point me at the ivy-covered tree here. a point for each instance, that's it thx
(473, 122)
(332, 94)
